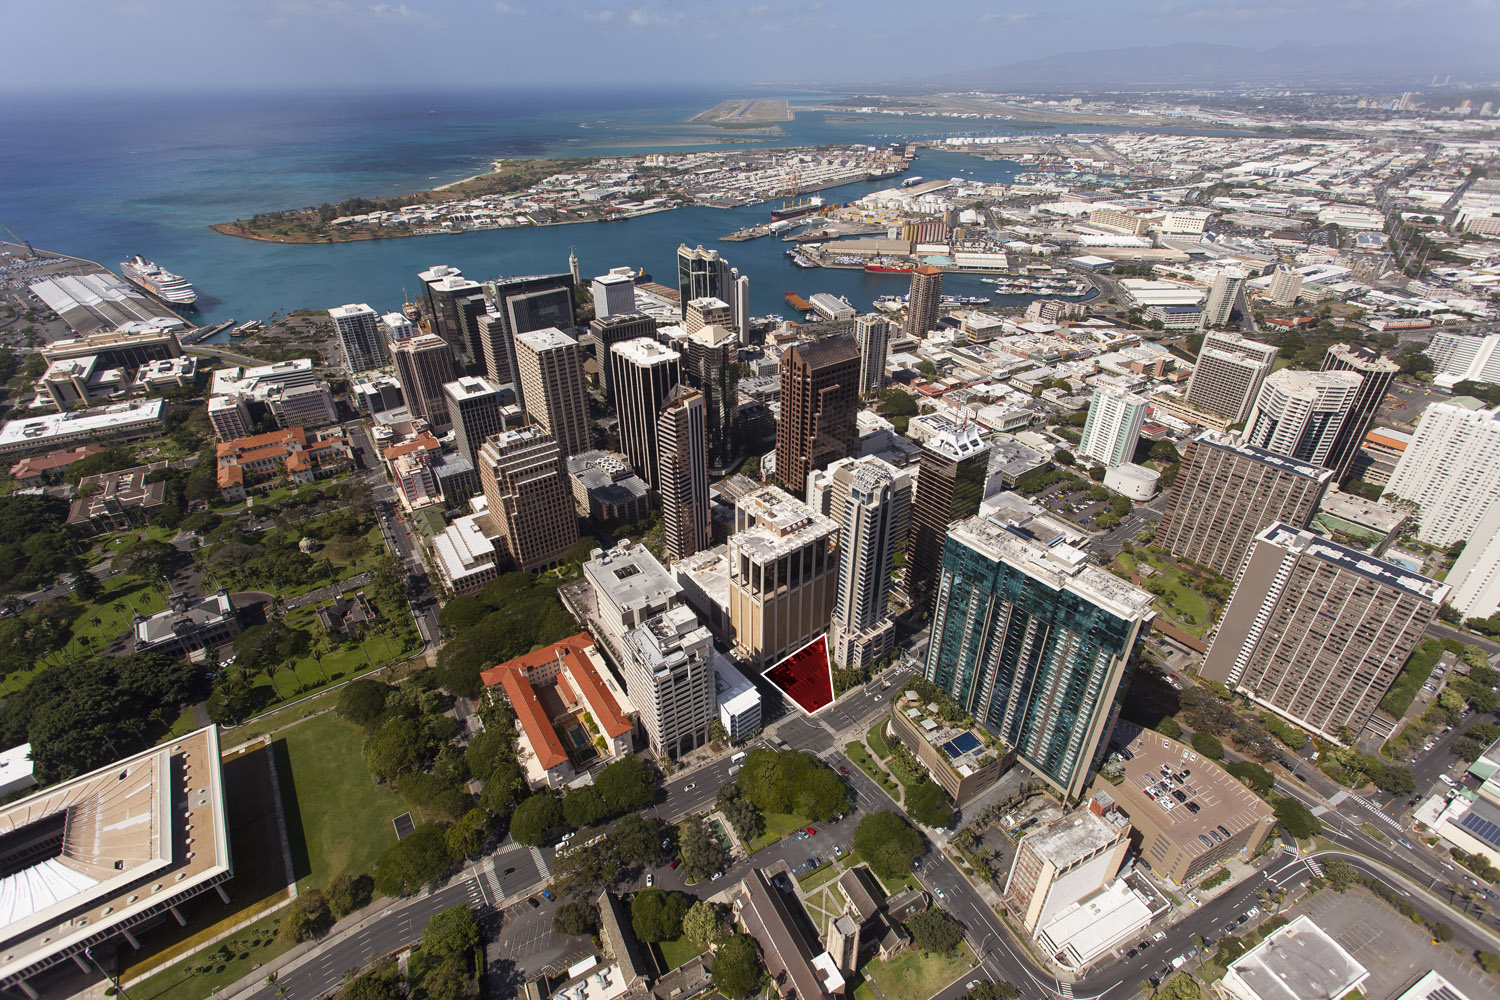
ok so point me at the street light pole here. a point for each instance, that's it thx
(120, 990)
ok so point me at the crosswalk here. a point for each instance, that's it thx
(541, 863)
(1065, 990)
(1314, 867)
(1377, 811)
(491, 879)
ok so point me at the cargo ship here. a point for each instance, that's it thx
(796, 209)
(161, 284)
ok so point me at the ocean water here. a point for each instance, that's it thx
(103, 178)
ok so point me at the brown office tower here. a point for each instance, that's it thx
(550, 366)
(523, 478)
(1316, 632)
(1378, 371)
(922, 302)
(1226, 492)
(950, 484)
(682, 463)
(783, 571)
(819, 403)
(424, 364)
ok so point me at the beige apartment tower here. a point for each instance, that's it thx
(1226, 492)
(783, 568)
(1229, 374)
(549, 364)
(424, 364)
(923, 300)
(526, 485)
(1317, 632)
(708, 311)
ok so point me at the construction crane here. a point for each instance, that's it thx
(31, 253)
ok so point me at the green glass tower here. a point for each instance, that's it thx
(1033, 641)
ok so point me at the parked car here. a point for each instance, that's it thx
(809, 831)
(1159, 936)
(548, 894)
(717, 876)
(534, 904)
(675, 863)
(650, 880)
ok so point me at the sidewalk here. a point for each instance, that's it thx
(297, 956)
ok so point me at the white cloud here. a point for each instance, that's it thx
(640, 17)
(501, 7)
(401, 12)
(598, 16)
(1008, 17)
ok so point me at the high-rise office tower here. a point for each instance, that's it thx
(1226, 492)
(550, 366)
(526, 485)
(682, 463)
(669, 675)
(710, 364)
(1034, 643)
(1451, 471)
(783, 564)
(612, 330)
(524, 304)
(497, 350)
(424, 364)
(474, 410)
(1300, 414)
(1229, 374)
(869, 502)
(819, 403)
(740, 286)
(872, 334)
(1377, 372)
(1286, 286)
(642, 373)
(708, 311)
(443, 288)
(359, 338)
(1113, 426)
(1226, 289)
(701, 274)
(1316, 632)
(614, 293)
(923, 300)
(951, 476)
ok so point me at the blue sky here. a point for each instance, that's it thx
(182, 44)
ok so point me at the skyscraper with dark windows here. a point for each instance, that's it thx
(643, 372)
(1034, 643)
(701, 274)
(1377, 372)
(952, 473)
(819, 405)
(710, 364)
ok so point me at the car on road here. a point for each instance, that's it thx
(1250, 914)
(717, 876)
(938, 891)
(1159, 936)
(690, 786)
(1131, 953)
(844, 771)
(675, 863)
(534, 904)
(972, 984)
(509, 871)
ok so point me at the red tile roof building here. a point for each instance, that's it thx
(548, 689)
(262, 461)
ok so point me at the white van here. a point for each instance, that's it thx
(737, 757)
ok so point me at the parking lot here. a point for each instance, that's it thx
(1403, 405)
(1075, 506)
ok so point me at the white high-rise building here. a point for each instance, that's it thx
(870, 501)
(1286, 286)
(669, 676)
(1228, 375)
(1462, 357)
(397, 327)
(1475, 578)
(1299, 414)
(1221, 297)
(740, 290)
(1113, 427)
(614, 293)
(1450, 470)
(359, 337)
(872, 333)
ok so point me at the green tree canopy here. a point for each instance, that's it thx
(1296, 818)
(737, 969)
(583, 806)
(934, 931)
(537, 820)
(929, 805)
(792, 781)
(1208, 745)
(467, 837)
(702, 922)
(889, 843)
(361, 701)
(412, 862)
(702, 854)
(576, 918)
(628, 783)
(656, 915)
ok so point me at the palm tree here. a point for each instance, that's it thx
(317, 652)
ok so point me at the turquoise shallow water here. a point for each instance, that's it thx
(103, 178)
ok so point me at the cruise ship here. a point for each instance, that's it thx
(172, 289)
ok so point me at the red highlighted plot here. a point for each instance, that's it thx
(806, 677)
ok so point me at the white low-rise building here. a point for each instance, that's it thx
(1095, 925)
(1297, 962)
(1135, 482)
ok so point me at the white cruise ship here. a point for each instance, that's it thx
(172, 289)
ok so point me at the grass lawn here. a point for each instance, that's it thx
(876, 738)
(130, 593)
(679, 952)
(818, 876)
(338, 818)
(778, 825)
(273, 721)
(913, 976)
(861, 756)
(342, 663)
(227, 962)
(1184, 605)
